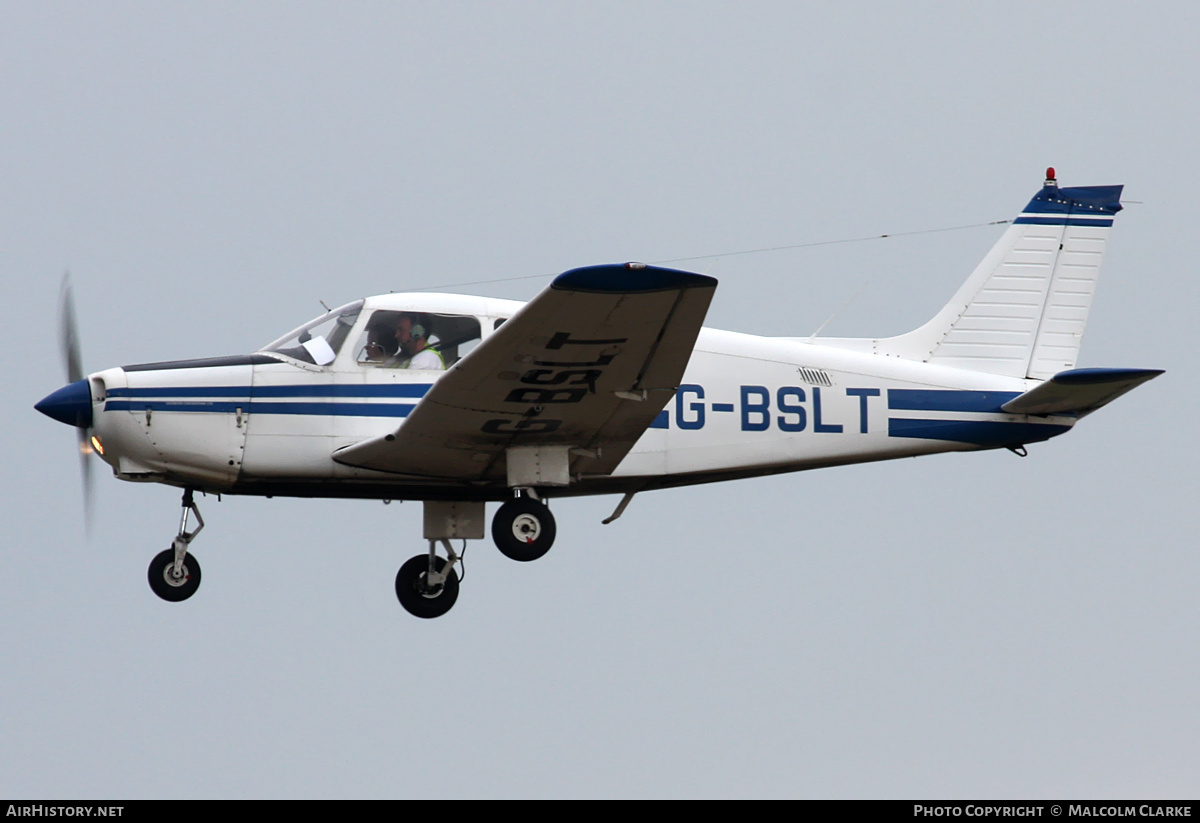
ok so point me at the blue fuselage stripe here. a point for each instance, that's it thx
(416, 390)
(978, 432)
(948, 400)
(259, 407)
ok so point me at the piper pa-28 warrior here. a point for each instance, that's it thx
(605, 383)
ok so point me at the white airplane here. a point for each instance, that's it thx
(604, 383)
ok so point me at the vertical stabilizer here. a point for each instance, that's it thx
(1023, 310)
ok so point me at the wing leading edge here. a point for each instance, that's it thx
(588, 364)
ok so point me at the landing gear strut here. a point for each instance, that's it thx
(523, 529)
(174, 574)
(427, 585)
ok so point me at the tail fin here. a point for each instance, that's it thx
(1023, 310)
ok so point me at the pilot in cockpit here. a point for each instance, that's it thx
(382, 344)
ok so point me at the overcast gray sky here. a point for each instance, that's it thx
(954, 626)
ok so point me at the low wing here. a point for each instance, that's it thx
(1079, 391)
(589, 363)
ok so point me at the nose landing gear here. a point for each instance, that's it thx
(174, 574)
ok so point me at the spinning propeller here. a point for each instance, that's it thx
(72, 404)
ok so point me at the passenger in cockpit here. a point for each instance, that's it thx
(413, 333)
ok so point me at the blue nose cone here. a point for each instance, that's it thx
(72, 404)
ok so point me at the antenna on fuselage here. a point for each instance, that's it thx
(839, 311)
(322, 302)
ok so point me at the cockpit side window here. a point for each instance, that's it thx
(416, 340)
(319, 341)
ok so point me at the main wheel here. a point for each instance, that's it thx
(166, 585)
(523, 529)
(416, 596)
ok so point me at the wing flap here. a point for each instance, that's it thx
(589, 364)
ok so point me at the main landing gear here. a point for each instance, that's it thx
(174, 574)
(523, 529)
(427, 585)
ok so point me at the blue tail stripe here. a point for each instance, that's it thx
(977, 432)
(948, 400)
(1076, 200)
(1066, 221)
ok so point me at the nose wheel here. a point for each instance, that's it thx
(523, 529)
(174, 574)
(172, 584)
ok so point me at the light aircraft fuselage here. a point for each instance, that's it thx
(747, 405)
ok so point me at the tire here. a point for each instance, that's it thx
(410, 588)
(523, 529)
(167, 587)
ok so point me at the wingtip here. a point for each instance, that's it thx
(630, 278)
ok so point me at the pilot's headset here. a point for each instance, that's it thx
(420, 327)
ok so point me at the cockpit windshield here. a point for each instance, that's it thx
(319, 341)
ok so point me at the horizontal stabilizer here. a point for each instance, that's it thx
(1079, 391)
